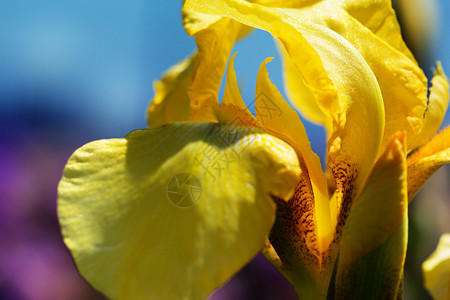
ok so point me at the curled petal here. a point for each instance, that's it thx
(232, 98)
(214, 46)
(427, 159)
(194, 22)
(232, 110)
(171, 101)
(172, 212)
(379, 18)
(301, 94)
(188, 90)
(437, 106)
(215, 37)
(372, 28)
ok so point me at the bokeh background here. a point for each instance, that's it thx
(75, 71)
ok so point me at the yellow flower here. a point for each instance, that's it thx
(171, 212)
(436, 270)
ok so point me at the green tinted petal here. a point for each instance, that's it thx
(194, 22)
(379, 209)
(378, 274)
(172, 212)
(373, 248)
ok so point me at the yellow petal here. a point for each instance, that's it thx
(287, 3)
(427, 159)
(172, 212)
(214, 46)
(232, 110)
(215, 37)
(378, 17)
(380, 208)
(437, 107)
(232, 95)
(300, 94)
(171, 101)
(277, 117)
(436, 270)
(371, 27)
(194, 22)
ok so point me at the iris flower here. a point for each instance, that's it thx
(173, 211)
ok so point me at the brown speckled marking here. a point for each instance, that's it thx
(294, 234)
(345, 176)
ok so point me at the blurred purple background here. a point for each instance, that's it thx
(75, 71)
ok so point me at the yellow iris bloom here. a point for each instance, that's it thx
(173, 211)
